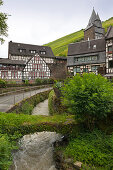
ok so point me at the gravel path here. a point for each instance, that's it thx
(41, 109)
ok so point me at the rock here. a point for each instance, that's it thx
(77, 165)
(68, 160)
(36, 152)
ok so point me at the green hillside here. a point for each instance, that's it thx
(60, 46)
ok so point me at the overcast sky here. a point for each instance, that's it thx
(42, 21)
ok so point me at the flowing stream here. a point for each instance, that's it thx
(36, 150)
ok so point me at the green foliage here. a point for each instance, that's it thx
(51, 103)
(5, 152)
(60, 46)
(92, 148)
(13, 82)
(12, 123)
(3, 24)
(2, 83)
(27, 108)
(44, 81)
(38, 81)
(89, 97)
(27, 105)
(58, 84)
(26, 82)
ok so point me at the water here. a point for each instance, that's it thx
(36, 152)
(41, 108)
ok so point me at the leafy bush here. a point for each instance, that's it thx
(44, 81)
(51, 103)
(26, 82)
(2, 83)
(89, 97)
(92, 148)
(5, 152)
(27, 108)
(38, 81)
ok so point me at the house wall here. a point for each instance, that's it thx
(75, 66)
(109, 56)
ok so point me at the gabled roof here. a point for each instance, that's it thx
(86, 47)
(15, 47)
(11, 62)
(109, 33)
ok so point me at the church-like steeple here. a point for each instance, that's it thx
(92, 18)
(94, 28)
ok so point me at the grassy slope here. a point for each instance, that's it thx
(60, 46)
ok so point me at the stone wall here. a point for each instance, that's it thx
(58, 70)
(89, 33)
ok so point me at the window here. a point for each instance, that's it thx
(94, 68)
(94, 47)
(43, 52)
(81, 59)
(85, 70)
(4, 74)
(87, 58)
(77, 70)
(94, 58)
(22, 50)
(109, 49)
(32, 51)
(14, 75)
(111, 64)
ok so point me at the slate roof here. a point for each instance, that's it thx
(15, 47)
(94, 20)
(86, 47)
(12, 62)
(109, 33)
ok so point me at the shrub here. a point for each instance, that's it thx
(38, 81)
(51, 103)
(26, 82)
(5, 152)
(2, 83)
(27, 108)
(89, 97)
(44, 81)
(92, 149)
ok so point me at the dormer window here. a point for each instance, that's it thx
(94, 47)
(32, 51)
(43, 52)
(22, 50)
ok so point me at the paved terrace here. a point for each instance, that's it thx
(7, 102)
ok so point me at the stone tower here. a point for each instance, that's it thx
(94, 28)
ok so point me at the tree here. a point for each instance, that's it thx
(89, 97)
(3, 24)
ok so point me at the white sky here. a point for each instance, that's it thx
(42, 21)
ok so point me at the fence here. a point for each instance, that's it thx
(10, 99)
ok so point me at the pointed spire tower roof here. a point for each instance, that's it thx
(92, 21)
(98, 18)
(92, 18)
